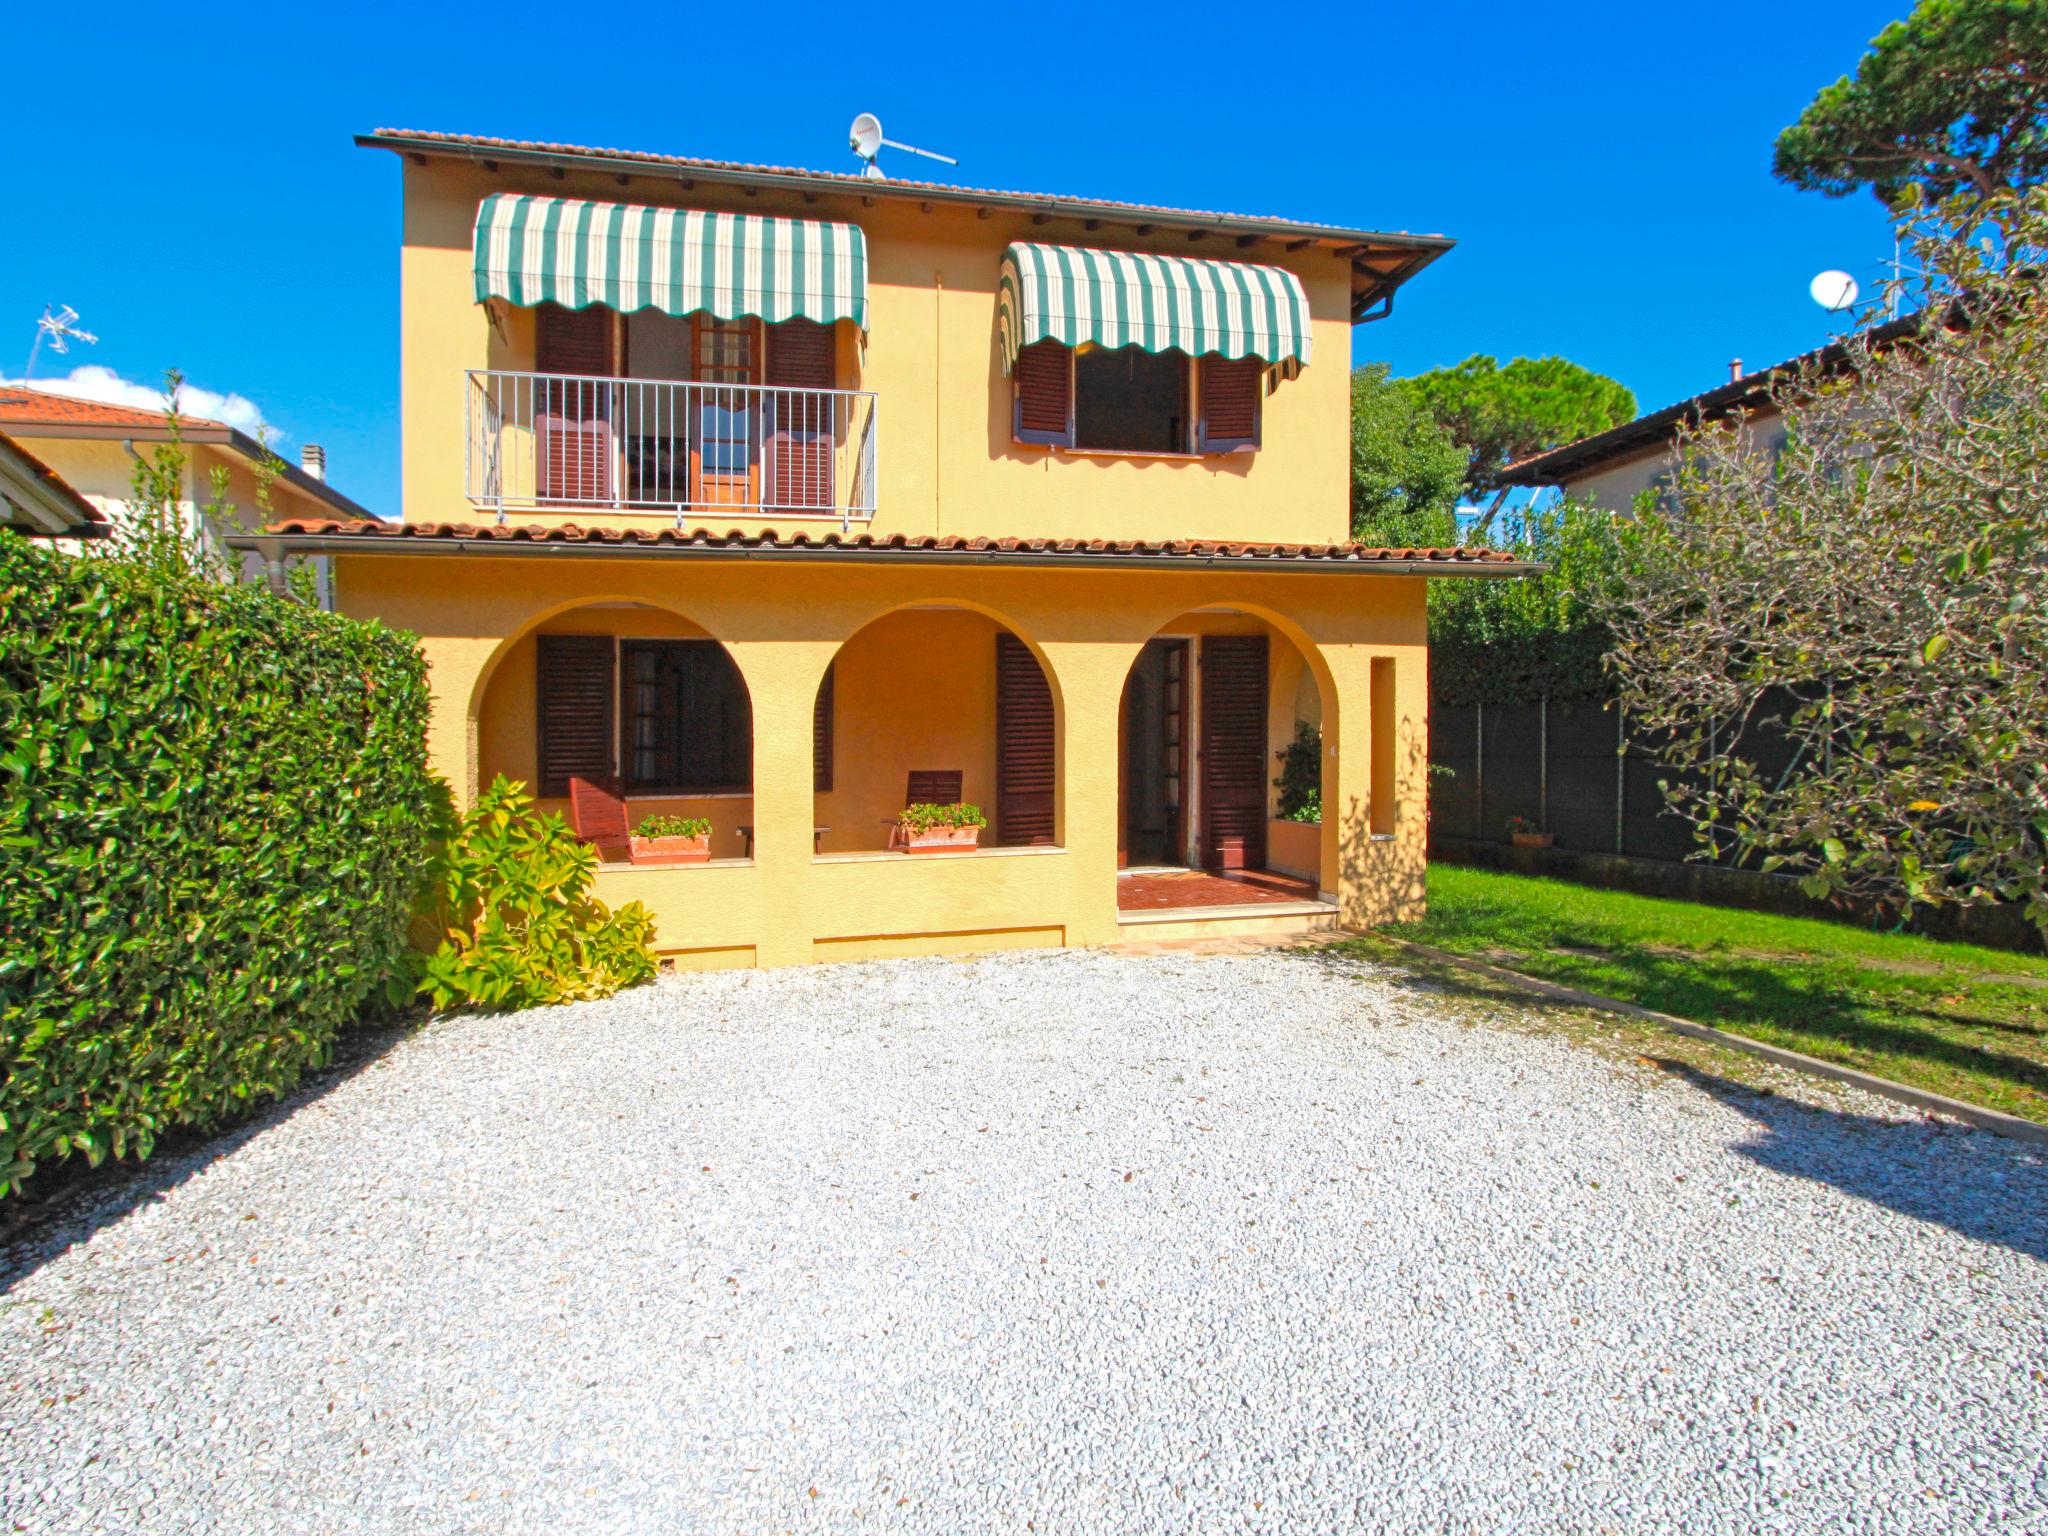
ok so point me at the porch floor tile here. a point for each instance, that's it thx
(1160, 890)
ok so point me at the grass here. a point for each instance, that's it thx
(1953, 1018)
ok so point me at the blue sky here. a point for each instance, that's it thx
(193, 191)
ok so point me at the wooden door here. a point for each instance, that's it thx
(725, 451)
(573, 416)
(1233, 731)
(1025, 757)
(1152, 794)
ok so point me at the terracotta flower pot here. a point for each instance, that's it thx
(661, 851)
(1532, 839)
(938, 839)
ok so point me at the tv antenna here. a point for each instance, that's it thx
(865, 139)
(59, 327)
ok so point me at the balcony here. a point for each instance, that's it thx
(582, 442)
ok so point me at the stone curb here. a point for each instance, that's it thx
(1995, 1121)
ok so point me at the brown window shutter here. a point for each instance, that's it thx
(821, 735)
(572, 424)
(1024, 747)
(802, 355)
(1230, 403)
(1045, 393)
(572, 340)
(1234, 751)
(574, 696)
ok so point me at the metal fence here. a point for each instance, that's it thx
(658, 445)
(1574, 769)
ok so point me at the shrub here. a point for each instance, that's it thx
(673, 826)
(519, 927)
(214, 814)
(922, 818)
(1301, 775)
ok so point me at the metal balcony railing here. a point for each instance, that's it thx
(655, 445)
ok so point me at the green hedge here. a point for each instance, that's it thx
(214, 814)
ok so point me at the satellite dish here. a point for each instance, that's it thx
(1833, 291)
(865, 139)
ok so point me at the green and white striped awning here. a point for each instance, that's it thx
(1161, 303)
(534, 250)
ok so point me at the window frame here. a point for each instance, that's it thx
(1198, 444)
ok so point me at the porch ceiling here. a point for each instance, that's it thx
(308, 536)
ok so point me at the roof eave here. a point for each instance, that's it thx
(273, 545)
(207, 434)
(1426, 248)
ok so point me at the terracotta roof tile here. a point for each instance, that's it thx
(21, 406)
(949, 544)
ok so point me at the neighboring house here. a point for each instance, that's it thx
(781, 497)
(36, 500)
(1612, 468)
(94, 447)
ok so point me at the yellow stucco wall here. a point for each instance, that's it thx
(784, 623)
(946, 461)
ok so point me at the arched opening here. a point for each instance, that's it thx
(630, 697)
(941, 703)
(1222, 766)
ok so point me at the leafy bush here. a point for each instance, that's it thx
(1301, 775)
(1511, 642)
(214, 814)
(673, 826)
(519, 927)
(922, 818)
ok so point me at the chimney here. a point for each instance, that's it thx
(313, 460)
(1734, 373)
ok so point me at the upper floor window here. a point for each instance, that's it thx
(1130, 352)
(1128, 400)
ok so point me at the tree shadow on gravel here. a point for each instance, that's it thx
(1979, 1185)
(1974, 1183)
(77, 1202)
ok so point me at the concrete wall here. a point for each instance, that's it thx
(946, 461)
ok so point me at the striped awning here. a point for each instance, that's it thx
(1161, 303)
(534, 250)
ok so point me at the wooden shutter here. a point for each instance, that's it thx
(572, 423)
(1230, 403)
(573, 693)
(1234, 751)
(802, 355)
(1044, 375)
(821, 734)
(1024, 747)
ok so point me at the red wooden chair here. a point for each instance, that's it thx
(597, 814)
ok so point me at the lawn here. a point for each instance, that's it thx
(1968, 1022)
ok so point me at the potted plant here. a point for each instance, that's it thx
(663, 840)
(1524, 833)
(940, 828)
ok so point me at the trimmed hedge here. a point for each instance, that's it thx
(215, 812)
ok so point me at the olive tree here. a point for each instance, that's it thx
(1876, 590)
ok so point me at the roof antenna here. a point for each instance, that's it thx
(59, 325)
(865, 139)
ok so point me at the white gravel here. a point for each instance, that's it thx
(1061, 1242)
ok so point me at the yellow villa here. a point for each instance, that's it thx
(787, 498)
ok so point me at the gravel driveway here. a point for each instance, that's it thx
(1058, 1242)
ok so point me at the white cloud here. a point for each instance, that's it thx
(91, 381)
